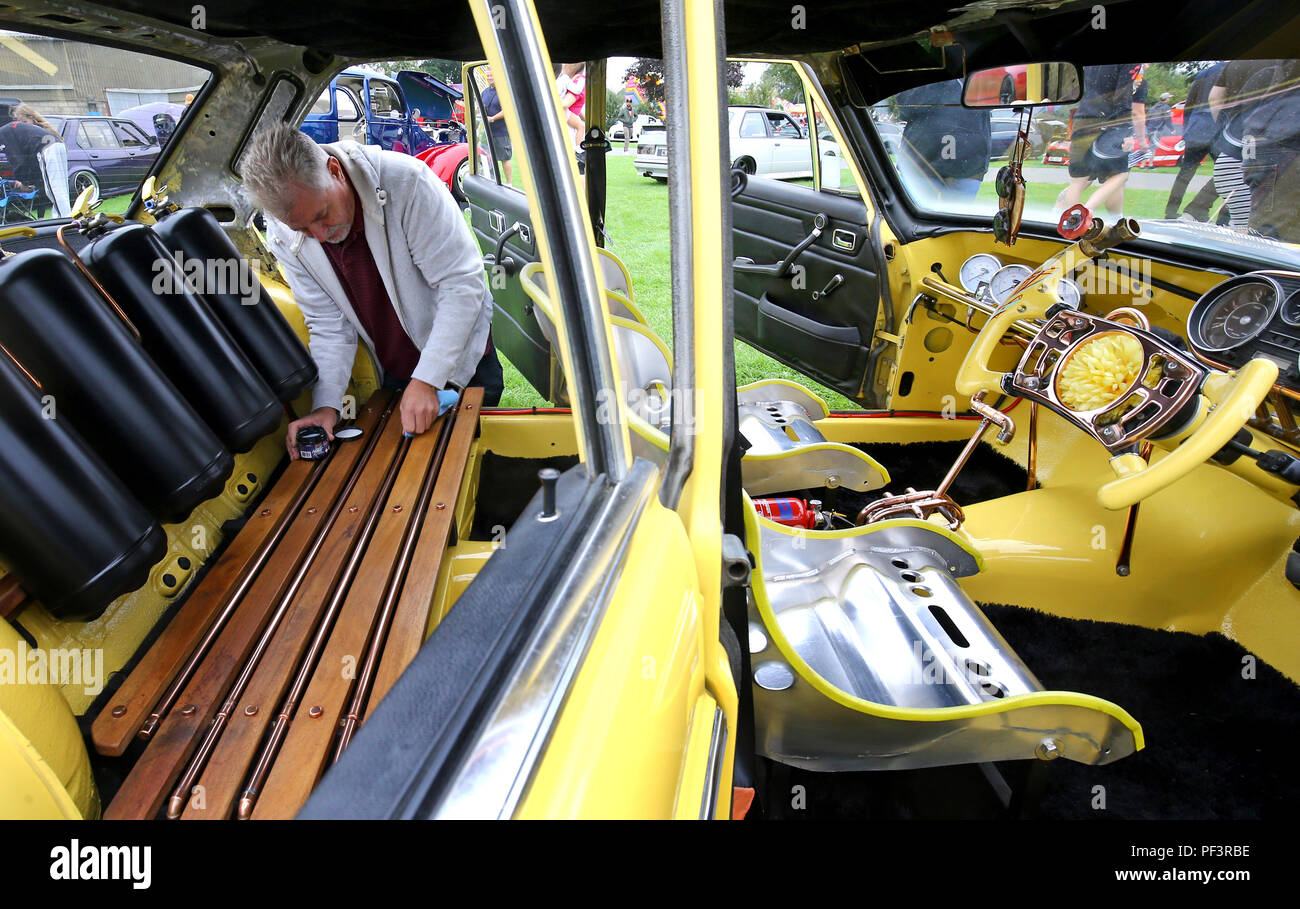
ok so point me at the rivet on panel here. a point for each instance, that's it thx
(315, 712)
(119, 710)
(188, 710)
(250, 710)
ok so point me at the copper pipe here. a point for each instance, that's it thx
(262, 766)
(1139, 318)
(35, 382)
(912, 503)
(241, 587)
(176, 804)
(1033, 445)
(81, 266)
(371, 665)
(1285, 392)
(1123, 563)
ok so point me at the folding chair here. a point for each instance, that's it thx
(18, 203)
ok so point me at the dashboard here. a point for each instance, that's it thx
(1252, 315)
(986, 277)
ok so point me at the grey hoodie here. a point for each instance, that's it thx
(429, 262)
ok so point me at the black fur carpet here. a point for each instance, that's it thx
(505, 487)
(1218, 746)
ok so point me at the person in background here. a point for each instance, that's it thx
(1199, 132)
(573, 98)
(1273, 169)
(1114, 103)
(946, 147)
(496, 118)
(1239, 86)
(38, 157)
(628, 119)
(375, 250)
(1160, 120)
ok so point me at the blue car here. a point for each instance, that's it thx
(409, 113)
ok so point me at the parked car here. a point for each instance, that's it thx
(1005, 128)
(642, 123)
(766, 142)
(109, 153)
(374, 109)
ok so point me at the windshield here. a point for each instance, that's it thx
(1203, 154)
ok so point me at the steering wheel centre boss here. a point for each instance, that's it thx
(1118, 384)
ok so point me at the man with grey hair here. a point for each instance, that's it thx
(375, 248)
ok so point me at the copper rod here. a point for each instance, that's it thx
(99, 287)
(1123, 564)
(240, 588)
(1285, 392)
(262, 766)
(21, 367)
(377, 640)
(176, 804)
(991, 417)
(1033, 445)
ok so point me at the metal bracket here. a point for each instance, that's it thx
(736, 565)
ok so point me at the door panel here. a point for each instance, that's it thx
(827, 338)
(494, 210)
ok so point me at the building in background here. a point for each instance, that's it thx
(68, 78)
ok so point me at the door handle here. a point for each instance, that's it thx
(833, 283)
(507, 263)
(496, 221)
(782, 268)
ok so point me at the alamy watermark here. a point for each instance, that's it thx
(230, 276)
(53, 666)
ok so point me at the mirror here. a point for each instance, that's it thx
(1026, 84)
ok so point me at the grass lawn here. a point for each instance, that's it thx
(636, 218)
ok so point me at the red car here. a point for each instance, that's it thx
(451, 164)
(1167, 152)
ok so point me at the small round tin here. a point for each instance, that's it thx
(313, 443)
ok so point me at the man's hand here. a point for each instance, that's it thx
(419, 407)
(324, 417)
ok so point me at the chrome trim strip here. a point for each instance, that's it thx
(717, 751)
(502, 757)
(681, 444)
(532, 95)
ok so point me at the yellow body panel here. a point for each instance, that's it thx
(44, 767)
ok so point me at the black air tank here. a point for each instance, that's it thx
(98, 376)
(182, 335)
(243, 306)
(69, 530)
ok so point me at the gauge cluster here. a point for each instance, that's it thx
(1253, 315)
(985, 276)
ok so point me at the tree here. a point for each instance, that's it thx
(649, 74)
(779, 80)
(446, 70)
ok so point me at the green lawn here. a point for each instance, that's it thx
(636, 218)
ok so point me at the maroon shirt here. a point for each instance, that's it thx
(355, 266)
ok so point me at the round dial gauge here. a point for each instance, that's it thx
(1006, 280)
(1069, 293)
(978, 269)
(1291, 309)
(1234, 312)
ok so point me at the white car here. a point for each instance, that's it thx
(764, 141)
(642, 123)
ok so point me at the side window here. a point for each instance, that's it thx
(129, 136)
(492, 148)
(834, 173)
(752, 127)
(347, 106)
(322, 105)
(96, 134)
(783, 127)
(384, 101)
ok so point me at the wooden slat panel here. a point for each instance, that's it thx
(407, 631)
(223, 777)
(115, 726)
(150, 781)
(310, 738)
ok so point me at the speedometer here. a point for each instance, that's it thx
(1069, 293)
(978, 269)
(1233, 313)
(1006, 280)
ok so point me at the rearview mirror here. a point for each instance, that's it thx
(1026, 84)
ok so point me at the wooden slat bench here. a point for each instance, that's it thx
(325, 591)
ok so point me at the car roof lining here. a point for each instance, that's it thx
(994, 32)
